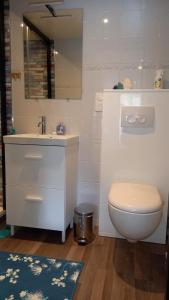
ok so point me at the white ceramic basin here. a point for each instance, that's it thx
(41, 139)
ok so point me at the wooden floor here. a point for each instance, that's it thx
(113, 269)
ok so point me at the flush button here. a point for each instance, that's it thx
(137, 116)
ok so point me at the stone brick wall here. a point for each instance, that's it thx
(8, 68)
(35, 68)
(8, 77)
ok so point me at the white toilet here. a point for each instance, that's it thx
(135, 209)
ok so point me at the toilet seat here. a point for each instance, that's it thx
(135, 198)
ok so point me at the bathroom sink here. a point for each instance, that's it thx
(41, 139)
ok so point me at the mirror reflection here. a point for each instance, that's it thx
(53, 53)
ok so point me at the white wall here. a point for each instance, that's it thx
(137, 30)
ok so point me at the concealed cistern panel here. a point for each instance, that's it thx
(137, 116)
(138, 155)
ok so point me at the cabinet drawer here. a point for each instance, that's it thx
(33, 164)
(35, 207)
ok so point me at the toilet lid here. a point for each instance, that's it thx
(134, 197)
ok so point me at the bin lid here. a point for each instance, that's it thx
(84, 209)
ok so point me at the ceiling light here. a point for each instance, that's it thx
(105, 21)
(140, 67)
(55, 52)
(21, 25)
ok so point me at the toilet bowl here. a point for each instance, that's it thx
(135, 210)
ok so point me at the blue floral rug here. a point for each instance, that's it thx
(29, 277)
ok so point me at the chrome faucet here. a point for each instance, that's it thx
(42, 123)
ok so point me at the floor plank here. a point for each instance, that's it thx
(113, 269)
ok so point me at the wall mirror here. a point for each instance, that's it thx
(53, 53)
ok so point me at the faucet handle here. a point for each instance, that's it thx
(42, 123)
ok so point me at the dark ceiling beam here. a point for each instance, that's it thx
(51, 10)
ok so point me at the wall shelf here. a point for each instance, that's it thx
(137, 91)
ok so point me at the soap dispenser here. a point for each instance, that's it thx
(60, 129)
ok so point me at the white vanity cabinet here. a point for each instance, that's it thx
(41, 179)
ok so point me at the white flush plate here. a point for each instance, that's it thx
(137, 116)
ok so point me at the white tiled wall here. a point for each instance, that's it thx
(137, 31)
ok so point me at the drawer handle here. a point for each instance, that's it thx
(33, 157)
(34, 198)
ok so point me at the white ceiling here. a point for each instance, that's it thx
(58, 27)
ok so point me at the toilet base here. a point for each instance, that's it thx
(134, 226)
